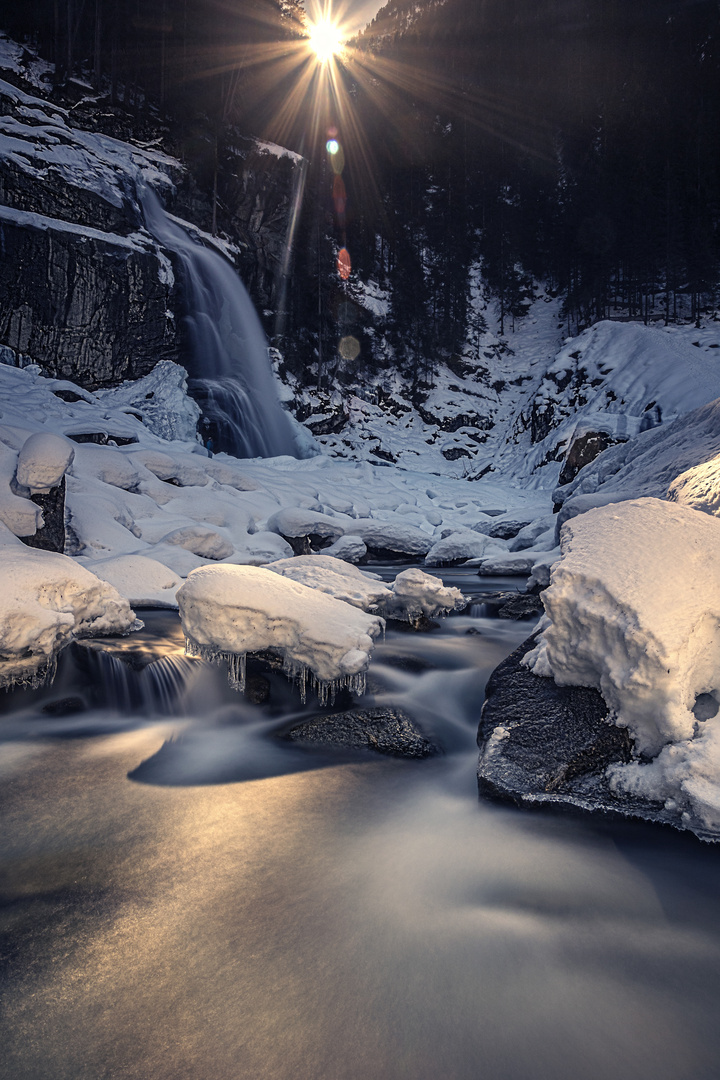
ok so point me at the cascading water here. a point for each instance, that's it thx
(230, 372)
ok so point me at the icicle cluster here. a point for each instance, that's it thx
(300, 674)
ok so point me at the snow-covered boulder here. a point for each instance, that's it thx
(43, 461)
(633, 610)
(335, 578)
(349, 548)
(229, 611)
(460, 546)
(412, 595)
(415, 594)
(46, 600)
(388, 537)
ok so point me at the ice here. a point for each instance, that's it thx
(633, 609)
(43, 461)
(229, 611)
(162, 400)
(46, 601)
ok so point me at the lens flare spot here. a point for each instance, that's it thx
(349, 348)
(344, 264)
(332, 146)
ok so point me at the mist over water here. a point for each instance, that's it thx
(231, 375)
(186, 897)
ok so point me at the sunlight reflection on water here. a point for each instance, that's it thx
(368, 920)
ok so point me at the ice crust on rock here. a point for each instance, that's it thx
(46, 601)
(633, 610)
(162, 400)
(229, 611)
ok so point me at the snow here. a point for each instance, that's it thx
(698, 487)
(162, 400)
(43, 461)
(410, 596)
(633, 609)
(229, 611)
(46, 601)
(277, 151)
(143, 582)
(648, 464)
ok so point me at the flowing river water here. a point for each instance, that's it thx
(185, 899)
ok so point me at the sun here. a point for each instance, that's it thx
(325, 40)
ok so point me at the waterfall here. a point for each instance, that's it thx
(230, 372)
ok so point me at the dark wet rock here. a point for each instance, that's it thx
(421, 625)
(257, 689)
(85, 307)
(384, 730)
(544, 743)
(514, 605)
(51, 537)
(584, 449)
(66, 706)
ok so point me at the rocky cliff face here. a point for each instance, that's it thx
(85, 291)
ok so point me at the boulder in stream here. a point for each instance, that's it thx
(544, 743)
(385, 730)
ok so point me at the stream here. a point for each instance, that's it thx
(185, 897)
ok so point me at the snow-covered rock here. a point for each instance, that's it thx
(335, 578)
(349, 548)
(410, 596)
(415, 594)
(461, 546)
(633, 610)
(46, 600)
(229, 611)
(43, 461)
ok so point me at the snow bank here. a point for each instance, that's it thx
(229, 611)
(698, 487)
(633, 609)
(648, 464)
(46, 601)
